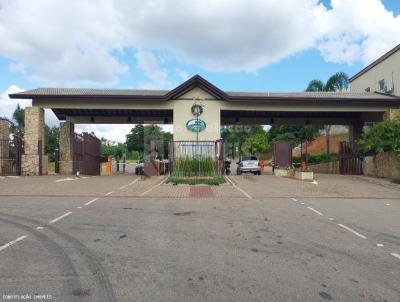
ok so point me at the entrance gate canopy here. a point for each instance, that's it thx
(112, 106)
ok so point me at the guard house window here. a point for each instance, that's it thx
(382, 85)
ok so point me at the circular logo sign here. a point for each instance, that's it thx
(196, 125)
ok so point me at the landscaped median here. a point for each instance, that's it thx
(195, 170)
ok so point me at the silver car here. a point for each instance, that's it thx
(248, 164)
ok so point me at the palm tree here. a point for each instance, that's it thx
(337, 82)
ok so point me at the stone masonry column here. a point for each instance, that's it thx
(34, 132)
(391, 114)
(4, 146)
(66, 147)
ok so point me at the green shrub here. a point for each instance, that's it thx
(214, 181)
(318, 158)
(195, 166)
(383, 137)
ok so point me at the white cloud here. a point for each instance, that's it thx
(148, 63)
(358, 30)
(73, 42)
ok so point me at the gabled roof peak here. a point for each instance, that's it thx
(197, 81)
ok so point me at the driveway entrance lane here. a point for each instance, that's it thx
(230, 250)
(42, 209)
(63, 185)
(378, 219)
(51, 262)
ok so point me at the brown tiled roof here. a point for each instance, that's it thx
(197, 81)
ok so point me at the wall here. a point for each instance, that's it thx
(211, 115)
(381, 165)
(389, 70)
(325, 168)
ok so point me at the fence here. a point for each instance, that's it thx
(350, 163)
(10, 156)
(196, 157)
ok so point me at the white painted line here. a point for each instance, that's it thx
(79, 207)
(131, 183)
(39, 228)
(315, 211)
(123, 187)
(64, 179)
(152, 188)
(61, 217)
(388, 204)
(89, 202)
(352, 231)
(302, 203)
(380, 244)
(314, 182)
(12, 242)
(395, 255)
(294, 199)
(331, 219)
(109, 193)
(238, 188)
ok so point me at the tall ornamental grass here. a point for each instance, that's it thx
(198, 165)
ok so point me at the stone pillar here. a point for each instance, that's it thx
(66, 147)
(34, 132)
(4, 146)
(391, 114)
(355, 132)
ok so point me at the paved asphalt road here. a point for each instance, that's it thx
(167, 249)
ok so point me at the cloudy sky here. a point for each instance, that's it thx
(259, 45)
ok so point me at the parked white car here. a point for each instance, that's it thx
(248, 164)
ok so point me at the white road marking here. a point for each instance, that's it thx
(395, 255)
(302, 203)
(315, 211)
(89, 202)
(64, 179)
(388, 204)
(79, 207)
(238, 188)
(12, 242)
(314, 182)
(152, 188)
(380, 244)
(109, 193)
(39, 228)
(61, 217)
(131, 183)
(123, 187)
(294, 199)
(331, 219)
(352, 231)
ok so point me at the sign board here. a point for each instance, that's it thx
(196, 125)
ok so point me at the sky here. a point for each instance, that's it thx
(238, 45)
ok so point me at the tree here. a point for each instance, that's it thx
(135, 139)
(235, 136)
(337, 82)
(383, 137)
(257, 143)
(293, 133)
(51, 141)
(140, 138)
(17, 122)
